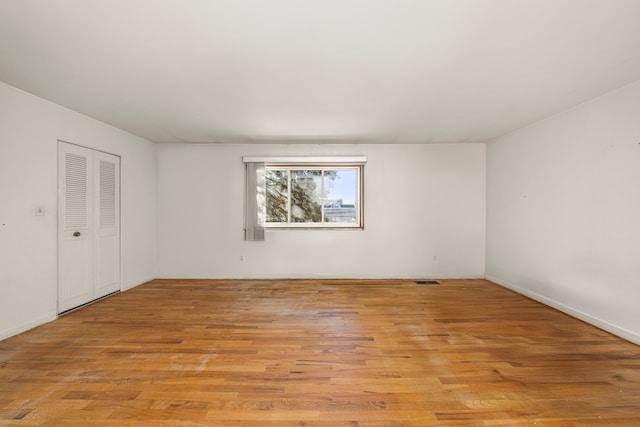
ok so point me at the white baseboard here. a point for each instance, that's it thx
(320, 276)
(25, 327)
(137, 283)
(595, 321)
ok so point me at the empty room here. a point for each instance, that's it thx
(320, 213)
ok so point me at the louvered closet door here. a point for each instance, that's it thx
(107, 223)
(88, 225)
(75, 227)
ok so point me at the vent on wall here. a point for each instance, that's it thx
(427, 282)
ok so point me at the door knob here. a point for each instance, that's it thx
(76, 234)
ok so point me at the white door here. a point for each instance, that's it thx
(106, 223)
(88, 225)
(75, 226)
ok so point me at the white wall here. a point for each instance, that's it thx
(29, 130)
(563, 210)
(421, 202)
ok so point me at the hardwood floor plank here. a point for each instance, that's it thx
(364, 353)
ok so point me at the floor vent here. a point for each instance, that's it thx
(427, 282)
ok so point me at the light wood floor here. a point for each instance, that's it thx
(318, 353)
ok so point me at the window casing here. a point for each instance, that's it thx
(313, 196)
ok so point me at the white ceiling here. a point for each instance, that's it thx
(389, 71)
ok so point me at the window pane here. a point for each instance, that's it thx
(277, 195)
(306, 196)
(341, 194)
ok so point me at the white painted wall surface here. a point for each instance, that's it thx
(563, 210)
(420, 201)
(29, 130)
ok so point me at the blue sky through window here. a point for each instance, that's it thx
(343, 187)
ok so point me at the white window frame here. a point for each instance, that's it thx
(317, 163)
(322, 224)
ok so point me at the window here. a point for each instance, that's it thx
(313, 196)
(302, 192)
